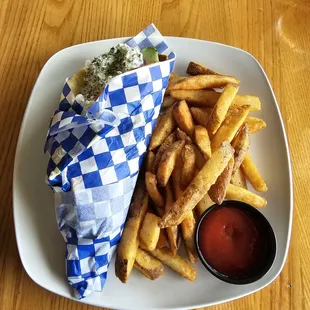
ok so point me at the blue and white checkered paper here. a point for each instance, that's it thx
(95, 157)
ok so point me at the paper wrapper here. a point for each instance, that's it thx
(95, 157)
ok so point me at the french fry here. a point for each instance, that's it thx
(206, 177)
(203, 205)
(127, 248)
(173, 79)
(162, 240)
(255, 124)
(221, 107)
(149, 232)
(167, 162)
(162, 149)
(188, 226)
(201, 115)
(200, 158)
(172, 232)
(238, 179)
(195, 68)
(181, 135)
(218, 190)
(204, 81)
(208, 98)
(252, 174)
(149, 161)
(148, 265)
(241, 194)
(189, 223)
(163, 129)
(167, 102)
(184, 117)
(230, 126)
(151, 187)
(202, 140)
(188, 169)
(241, 144)
(175, 262)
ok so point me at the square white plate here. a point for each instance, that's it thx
(41, 247)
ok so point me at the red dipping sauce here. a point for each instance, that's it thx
(230, 241)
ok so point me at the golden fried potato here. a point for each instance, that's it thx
(167, 162)
(149, 161)
(163, 129)
(172, 232)
(167, 102)
(208, 98)
(151, 186)
(203, 205)
(200, 158)
(181, 135)
(252, 174)
(201, 115)
(238, 179)
(162, 240)
(221, 107)
(206, 177)
(184, 117)
(218, 190)
(203, 82)
(255, 124)
(188, 227)
(162, 149)
(149, 232)
(241, 144)
(175, 262)
(188, 169)
(230, 126)
(195, 68)
(173, 79)
(127, 248)
(148, 265)
(202, 140)
(241, 194)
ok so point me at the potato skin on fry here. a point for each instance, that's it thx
(188, 170)
(149, 266)
(241, 144)
(151, 186)
(163, 129)
(127, 248)
(238, 179)
(149, 161)
(199, 186)
(195, 68)
(167, 162)
(162, 149)
(218, 190)
(184, 117)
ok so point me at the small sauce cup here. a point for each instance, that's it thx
(235, 242)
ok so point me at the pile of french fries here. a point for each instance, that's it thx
(198, 156)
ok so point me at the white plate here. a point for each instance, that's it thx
(40, 245)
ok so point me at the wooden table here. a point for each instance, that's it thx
(276, 32)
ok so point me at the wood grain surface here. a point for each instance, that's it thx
(276, 32)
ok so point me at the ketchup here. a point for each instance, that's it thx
(229, 241)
